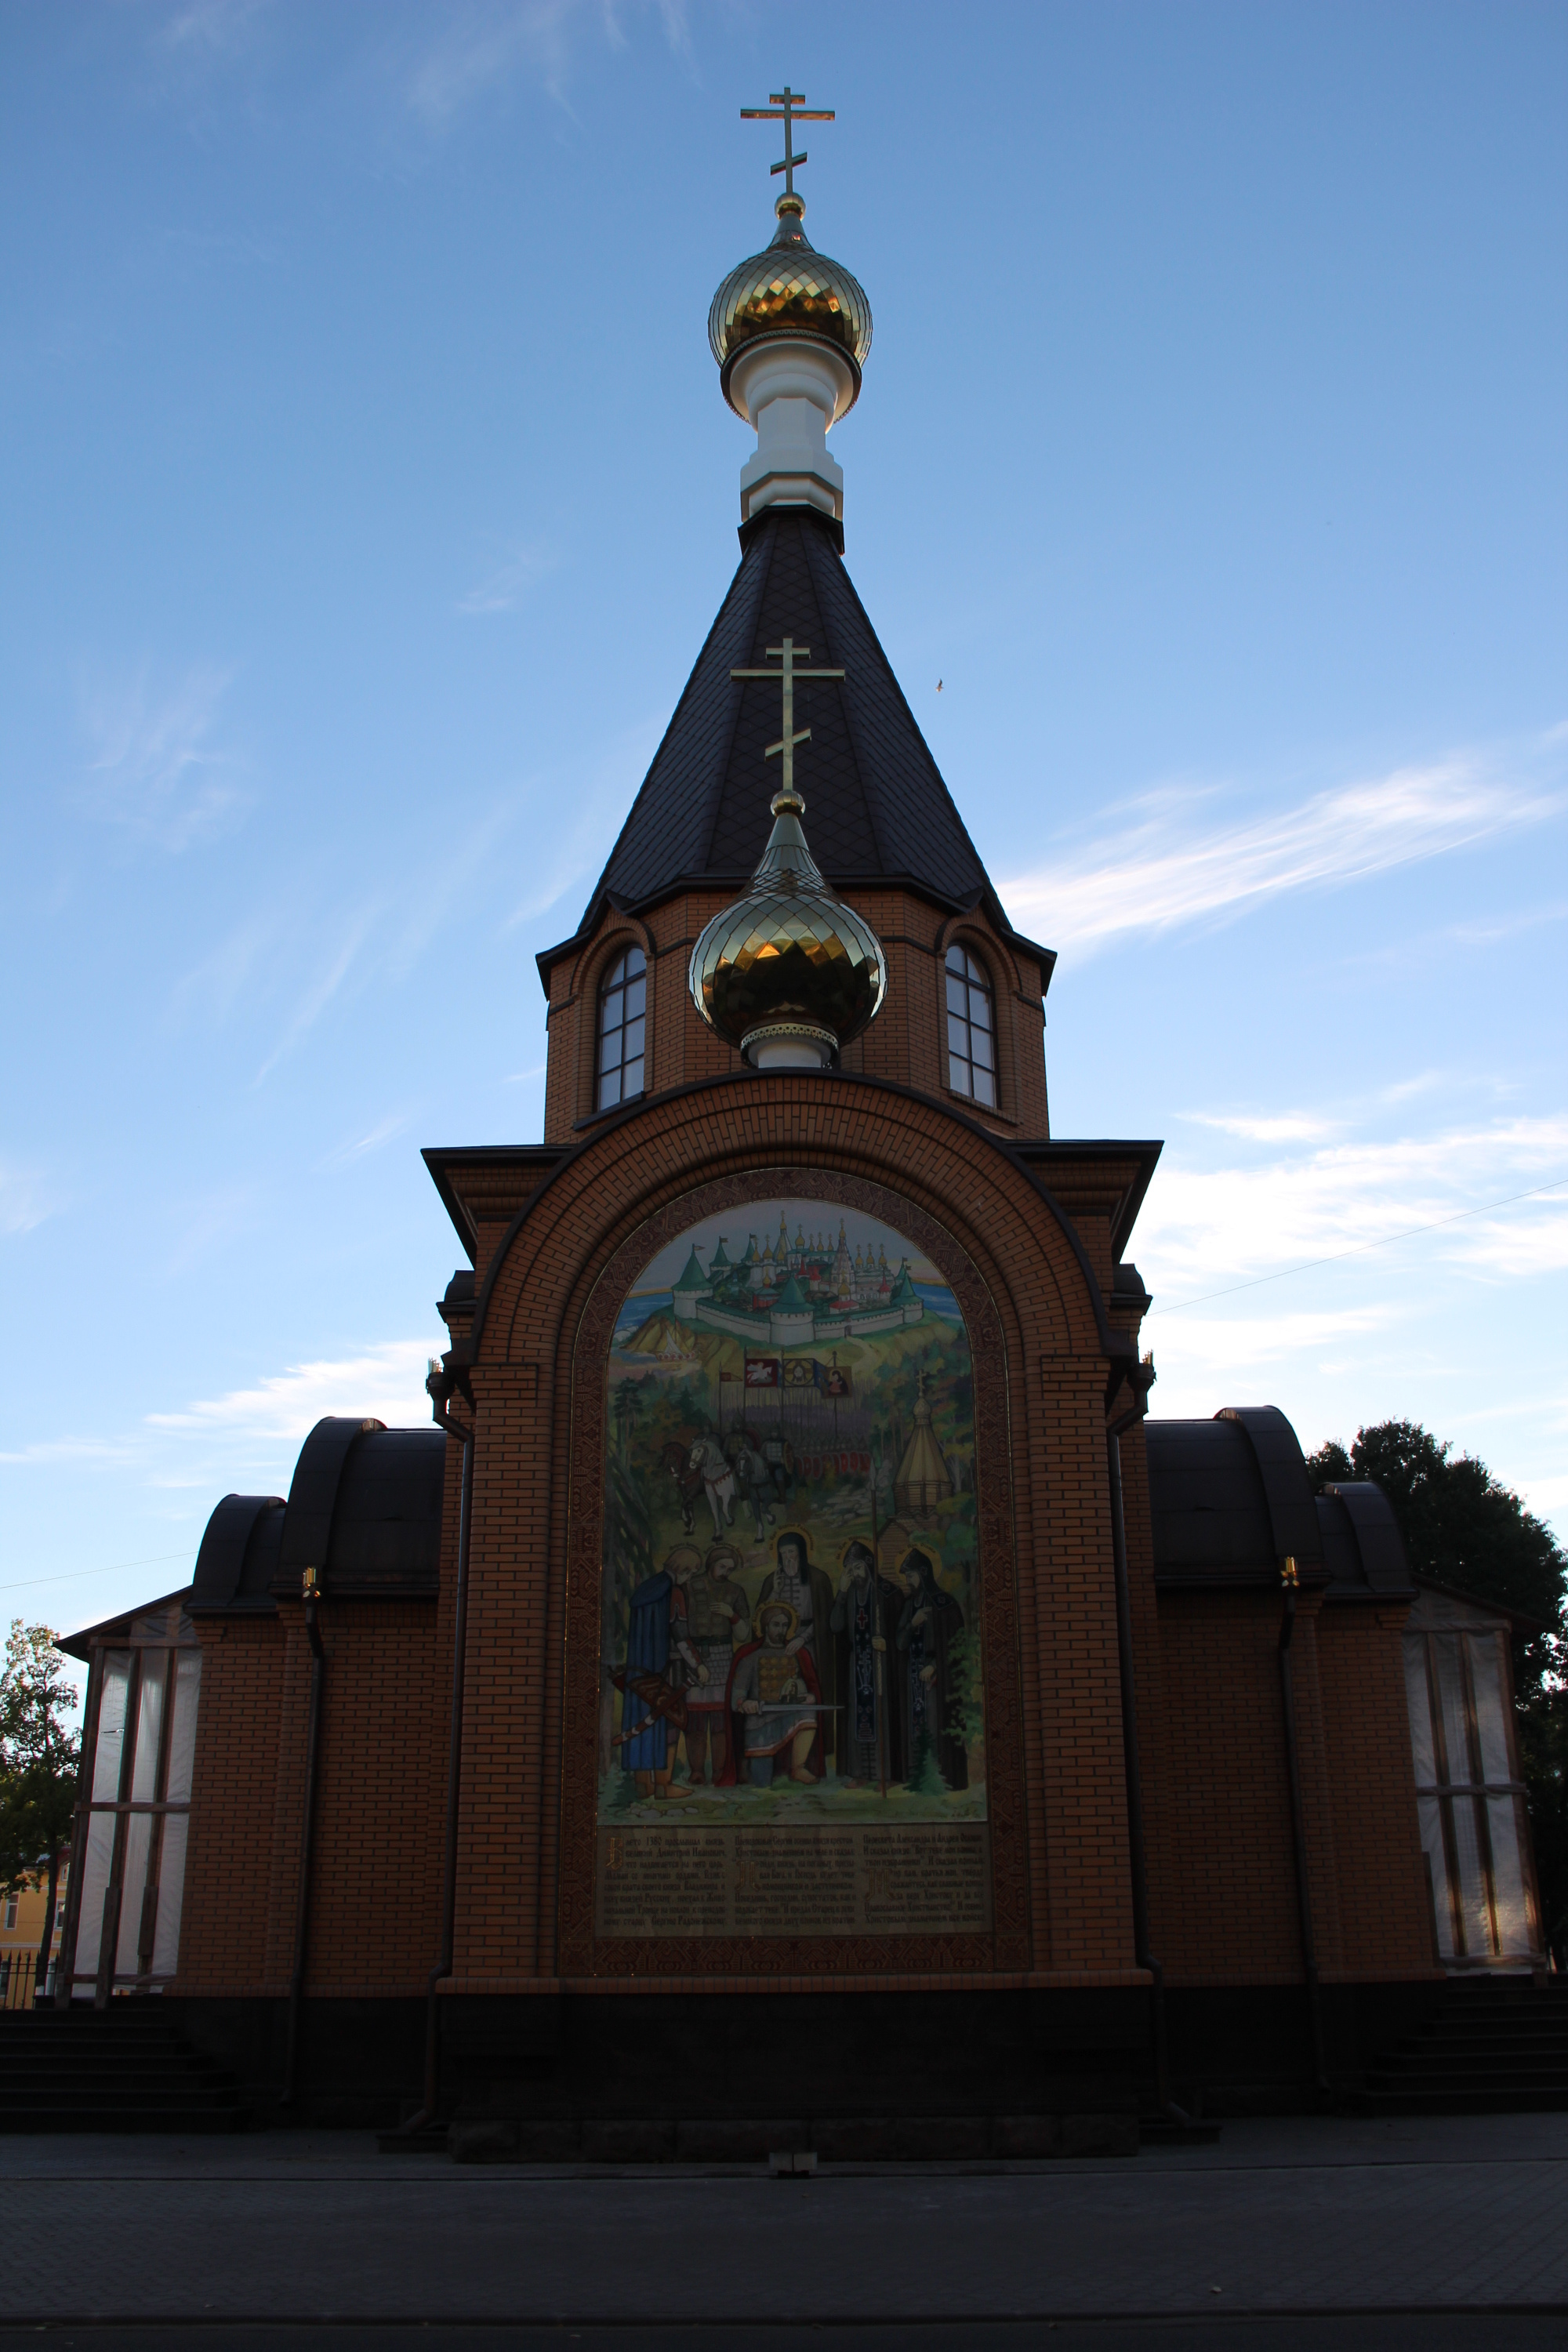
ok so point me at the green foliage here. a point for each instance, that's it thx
(925, 1777)
(1464, 1528)
(39, 1759)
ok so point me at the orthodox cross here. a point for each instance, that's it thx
(788, 653)
(787, 106)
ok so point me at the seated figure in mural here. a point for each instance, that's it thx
(718, 1620)
(660, 1659)
(807, 1589)
(772, 1698)
(751, 1469)
(865, 1621)
(929, 1623)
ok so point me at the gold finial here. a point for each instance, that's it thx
(786, 653)
(788, 106)
(1287, 1575)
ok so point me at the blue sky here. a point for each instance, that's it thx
(367, 492)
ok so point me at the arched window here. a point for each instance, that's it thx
(622, 1004)
(971, 1029)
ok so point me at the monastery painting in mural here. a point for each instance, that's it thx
(790, 1664)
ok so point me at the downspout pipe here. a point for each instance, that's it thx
(439, 1386)
(311, 1594)
(1290, 1583)
(1133, 1774)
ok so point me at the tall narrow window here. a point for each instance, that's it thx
(971, 1029)
(622, 1005)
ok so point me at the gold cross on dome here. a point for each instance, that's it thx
(787, 654)
(787, 106)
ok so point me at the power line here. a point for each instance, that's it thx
(1358, 1248)
(75, 1575)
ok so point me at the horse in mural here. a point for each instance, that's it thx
(707, 1458)
(751, 1470)
(676, 1460)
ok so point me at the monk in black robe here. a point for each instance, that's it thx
(865, 1621)
(929, 1623)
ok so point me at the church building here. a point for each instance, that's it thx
(792, 1693)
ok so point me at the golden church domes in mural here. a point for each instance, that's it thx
(790, 290)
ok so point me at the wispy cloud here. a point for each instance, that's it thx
(599, 801)
(386, 1382)
(1203, 1228)
(1288, 1127)
(320, 991)
(383, 1132)
(210, 28)
(484, 43)
(1169, 862)
(47, 1452)
(154, 767)
(503, 589)
(24, 1199)
(1221, 1347)
(481, 45)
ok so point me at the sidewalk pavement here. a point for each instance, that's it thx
(1322, 2220)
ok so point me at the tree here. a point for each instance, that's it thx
(39, 1755)
(1464, 1528)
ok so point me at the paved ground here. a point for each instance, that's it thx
(1449, 2235)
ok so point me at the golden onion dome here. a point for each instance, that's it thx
(789, 973)
(791, 290)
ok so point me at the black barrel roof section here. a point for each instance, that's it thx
(877, 808)
(1363, 1550)
(1230, 1498)
(238, 1558)
(363, 1510)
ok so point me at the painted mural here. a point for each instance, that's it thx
(790, 1621)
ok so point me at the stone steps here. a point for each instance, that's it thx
(103, 2071)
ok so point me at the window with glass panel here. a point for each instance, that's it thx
(623, 1019)
(133, 1818)
(1469, 1798)
(971, 1029)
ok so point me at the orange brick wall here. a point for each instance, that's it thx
(906, 1043)
(1384, 1918)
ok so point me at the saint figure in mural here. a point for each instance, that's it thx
(774, 1695)
(929, 1623)
(659, 1661)
(718, 1620)
(864, 1622)
(807, 1589)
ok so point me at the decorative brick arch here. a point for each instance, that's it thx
(1006, 1947)
(539, 1472)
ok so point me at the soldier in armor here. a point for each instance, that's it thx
(718, 1620)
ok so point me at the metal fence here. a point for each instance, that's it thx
(19, 1979)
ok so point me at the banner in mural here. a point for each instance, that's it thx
(792, 1733)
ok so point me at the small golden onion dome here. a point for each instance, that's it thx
(790, 290)
(789, 973)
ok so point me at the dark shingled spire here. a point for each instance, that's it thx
(878, 810)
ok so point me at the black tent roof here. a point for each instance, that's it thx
(877, 808)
